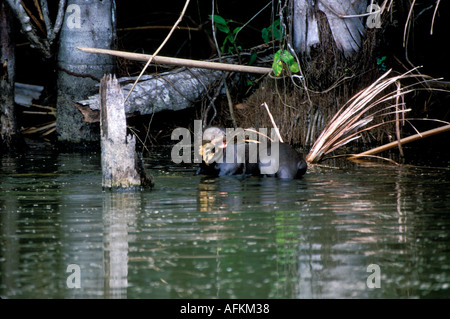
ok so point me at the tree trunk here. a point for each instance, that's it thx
(8, 128)
(86, 23)
(347, 32)
(121, 166)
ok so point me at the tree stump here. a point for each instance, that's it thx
(121, 165)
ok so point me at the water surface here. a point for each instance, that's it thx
(198, 237)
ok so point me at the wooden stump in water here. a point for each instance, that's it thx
(121, 165)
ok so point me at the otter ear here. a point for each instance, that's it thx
(302, 164)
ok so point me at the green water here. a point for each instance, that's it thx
(197, 237)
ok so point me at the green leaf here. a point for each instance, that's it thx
(265, 35)
(223, 28)
(289, 59)
(252, 58)
(277, 67)
(276, 30)
(236, 30)
(277, 55)
(218, 19)
(380, 60)
(286, 57)
(229, 38)
(294, 67)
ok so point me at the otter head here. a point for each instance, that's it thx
(213, 139)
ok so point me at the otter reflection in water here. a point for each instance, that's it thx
(272, 159)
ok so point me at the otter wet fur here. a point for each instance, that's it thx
(289, 163)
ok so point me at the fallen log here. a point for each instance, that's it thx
(175, 90)
(121, 165)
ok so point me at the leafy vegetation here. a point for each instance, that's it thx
(283, 59)
(274, 31)
(229, 43)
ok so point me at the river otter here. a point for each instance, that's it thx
(288, 165)
(214, 156)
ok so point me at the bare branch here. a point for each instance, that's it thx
(59, 20)
(46, 17)
(159, 48)
(180, 62)
(434, 16)
(43, 45)
(405, 140)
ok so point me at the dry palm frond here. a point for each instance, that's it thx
(46, 128)
(353, 117)
(277, 131)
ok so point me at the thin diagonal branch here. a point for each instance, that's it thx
(159, 49)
